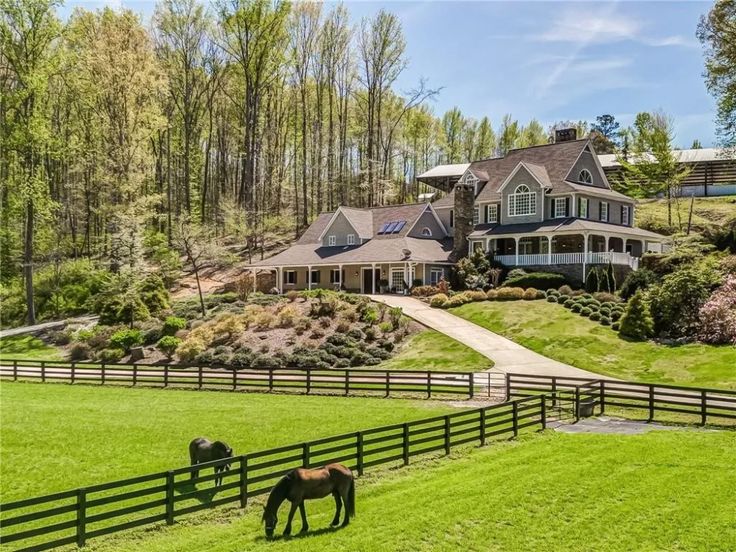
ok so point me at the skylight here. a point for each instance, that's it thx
(392, 227)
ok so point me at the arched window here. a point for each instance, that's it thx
(426, 232)
(585, 177)
(522, 202)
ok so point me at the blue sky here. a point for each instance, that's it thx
(552, 60)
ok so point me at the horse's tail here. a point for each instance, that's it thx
(193, 452)
(351, 499)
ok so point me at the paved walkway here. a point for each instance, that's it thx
(506, 355)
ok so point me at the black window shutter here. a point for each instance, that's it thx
(622, 214)
(567, 206)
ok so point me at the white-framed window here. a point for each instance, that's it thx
(476, 216)
(604, 211)
(331, 240)
(435, 275)
(522, 202)
(625, 215)
(583, 207)
(397, 279)
(426, 232)
(585, 177)
(315, 276)
(560, 210)
(351, 239)
(526, 246)
(290, 277)
(335, 276)
(452, 218)
(492, 213)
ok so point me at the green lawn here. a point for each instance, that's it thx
(707, 212)
(56, 437)
(431, 350)
(28, 347)
(558, 333)
(663, 491)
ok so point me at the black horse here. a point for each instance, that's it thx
(203, 450)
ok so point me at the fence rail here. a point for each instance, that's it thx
(305, 380)
(73, 517)
(703, 403)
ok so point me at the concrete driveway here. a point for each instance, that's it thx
(506, 355)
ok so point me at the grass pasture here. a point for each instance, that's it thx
(558, 333)
(28, 347)
(73, 436)
(663, 491)
(431, 350)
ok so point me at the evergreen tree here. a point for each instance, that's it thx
(637, 322)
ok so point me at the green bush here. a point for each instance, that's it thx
(537, 280)
(552, 291)
(585, 311)
(676, 301)
(110, 355)
(615, 315)
(636, 280)
(153, 293)
(606, 321)
(125, 339)
(173, 324)
(568, 304)
(168, 345)
(562, 298)
(552, 298)
(510, 294)
(530, 294)
(80, 351)
(565, 290)
(576, 307)
(595, 316)
(438, 300)
(637, 322)
(616, 326)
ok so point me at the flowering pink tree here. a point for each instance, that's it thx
(718, 315)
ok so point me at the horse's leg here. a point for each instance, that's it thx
(344, 496)
(218, 479)
(195, 473)
(338, 507)
(303, 512)
(292, 511)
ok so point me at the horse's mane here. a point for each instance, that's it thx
(279, 491)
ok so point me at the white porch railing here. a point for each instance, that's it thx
(569, 258)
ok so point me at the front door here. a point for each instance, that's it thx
(367, 281)
(397, 280)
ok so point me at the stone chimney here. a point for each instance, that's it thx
(566, 135)
(464, 206)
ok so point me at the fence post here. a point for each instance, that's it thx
(74, 365)
(508, 386)
(651, 402)
(235, 380)
(81, 517)
(103, 373)
(429, 384)
(359, 451)
(199, 376)
(703, 408)
(602, 396)
(309, 380)
(305, 455)
(554, 391)
(15, 370)
(388, 383)
(577, 403)
(447, 435)
(135, 374)
(471, 385)
(166, 375)
(169, 498)
(544, 410)
(347, 382)
(270, 379)
(515, 417)
(243, 481)
(43, 372)
(489, 384)
(482, 426)
(405, 444)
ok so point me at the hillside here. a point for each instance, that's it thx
(711, 215)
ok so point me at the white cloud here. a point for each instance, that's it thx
(591, 28)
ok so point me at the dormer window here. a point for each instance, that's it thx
(351, 239)
(585, 177)
(522, 202)
(426, 232)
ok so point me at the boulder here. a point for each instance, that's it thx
(137, 353)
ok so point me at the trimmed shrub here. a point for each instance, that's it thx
(562, 298)
(552, 291)
(438, 300)
(585, 311)
(110, 355)
(292, 295)
(385, 327)
(492, 294)
(168, 345)
(637, 322)
(551, 298)
(454, 301)
(424, 291)
(354, 334)
(537, 280)
(476, 295)
(576, 307)
(371, 333)
(595, 316)
(565, 290)
(510, 294)
(568, 304)
(616, 326)
(605, 321)
(615, 315)
(125, 339)
(80, 351)
(605, 311)
(173, 324)
(605, 297)
(516, 273)
(530, 294)
(287, 316)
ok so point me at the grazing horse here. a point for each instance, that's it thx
(203, 450)
(301, 484)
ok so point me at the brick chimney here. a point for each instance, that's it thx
(565, 135)
(464, 207)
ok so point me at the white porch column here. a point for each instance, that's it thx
(549, 250)
(339, 277)
(607, 248)
(309, 277)
(280, 280)
(516, 245)
(585, 254)
(373, 279)
(424, 274)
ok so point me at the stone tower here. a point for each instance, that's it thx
(464, 200)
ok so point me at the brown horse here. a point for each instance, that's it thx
(302, 484)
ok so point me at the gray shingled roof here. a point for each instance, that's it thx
(374, 251)
(561, 225)
(361, 220)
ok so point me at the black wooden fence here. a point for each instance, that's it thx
(364, 381)
(598, 395)
(73, 517)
